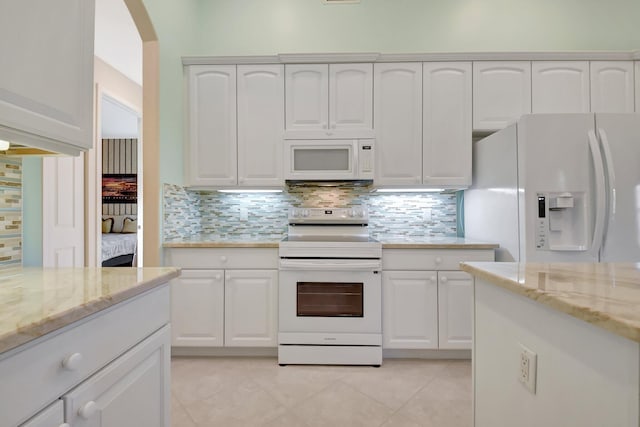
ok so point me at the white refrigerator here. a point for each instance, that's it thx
(558, 188)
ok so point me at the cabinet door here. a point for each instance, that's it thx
(612, 87)
(455, 300)
(410, 309)
(260, 124)
(501, 93)
(350, 97)
(251, 308)
(637, 79)
(398, 123)
(212, 158)
(132, 391)
(52, 416)
(446, 124)
(560, 87)
(307, 99)
(46, 77)
(197, 309)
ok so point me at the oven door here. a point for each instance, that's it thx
(329, 297)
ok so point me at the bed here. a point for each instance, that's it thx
(119, 241)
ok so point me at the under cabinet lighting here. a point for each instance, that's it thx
(409, 190)
(4, 145)
(247, 190)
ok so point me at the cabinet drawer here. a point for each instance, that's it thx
(52, 416)
(223, 258)
(35, 376)
(432, 259)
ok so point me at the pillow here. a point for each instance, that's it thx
(130, 225)
(107, 225)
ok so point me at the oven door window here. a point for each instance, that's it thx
(329, 299)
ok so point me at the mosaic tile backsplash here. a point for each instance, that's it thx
(188, 213)
(10, 213)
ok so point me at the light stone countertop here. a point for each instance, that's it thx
(603, 294)
(37, 301)
(388, 242)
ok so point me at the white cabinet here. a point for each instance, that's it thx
(427, 301)
(260, 124)
(328, 101)
(251, 308)
(560, 87)
(637, 79)
(501, 93)
(235, 134)
(132, 391)
(52, 416)
(455, 308)
(398, 123)
(446, 124)
(197, 309)
(410, 309)
(224, 297)
(212, 159)
(612, 87)
(46, 80)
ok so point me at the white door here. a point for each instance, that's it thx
(410, 309)
(351, 98)
(446, 121)
(620, 136)
(63, 211)
(612, 87)
(212, 158)
(52, 416)
(455, 309)
(132, 391)
(398, 123)
(307, 99)
(560, 87)
(251, 308)
(501, 93)
(260, 124)
(197, 309)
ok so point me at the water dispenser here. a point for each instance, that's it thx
(562, 219)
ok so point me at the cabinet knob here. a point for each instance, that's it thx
(444, 279)
(88, 410)
(223, 258)
(333, 125)
(438, 260)
(65, 425)
(72, 362)
(227, 277)
(324, 125)
(218, 276)
(417, 179)
(241, 180)
(433, 278)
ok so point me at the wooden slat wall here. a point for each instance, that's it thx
(119, 156)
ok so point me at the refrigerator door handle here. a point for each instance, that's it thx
(608, 159)
(598, 167)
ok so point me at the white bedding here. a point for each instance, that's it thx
(116, 244)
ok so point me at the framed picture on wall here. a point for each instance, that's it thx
(120, 188)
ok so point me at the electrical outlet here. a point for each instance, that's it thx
(244, 214)
(528, 368)
(426, 215)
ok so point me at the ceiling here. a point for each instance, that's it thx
(118, 43)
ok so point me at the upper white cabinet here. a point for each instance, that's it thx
(46, 80)
(260, 124)
(212, 125)
(612, 87)
(446, 124)
(637, 78)
(236, 121)
(329, 100)
(560, 87)
(398, 123)
(501, 93)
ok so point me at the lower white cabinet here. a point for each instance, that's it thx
(428, 309)
(231, 308)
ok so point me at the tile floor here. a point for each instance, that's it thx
(245, 392)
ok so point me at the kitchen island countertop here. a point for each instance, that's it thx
(37, 301)
(603, 294)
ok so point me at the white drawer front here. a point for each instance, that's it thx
(241, 258)
(432, 259)
(34, 377)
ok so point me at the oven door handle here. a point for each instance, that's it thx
(330, 264)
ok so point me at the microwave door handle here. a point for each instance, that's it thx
(330, 265)
(355, 158)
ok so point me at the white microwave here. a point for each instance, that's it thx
(329, 160)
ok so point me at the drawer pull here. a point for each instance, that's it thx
(88, 410)
(444, 279)
(218, 276)
(72, 362)
(223, 258)
(438, 260)
(433, 278)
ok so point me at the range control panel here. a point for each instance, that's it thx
(353, 215)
